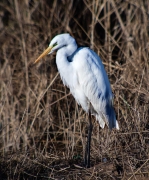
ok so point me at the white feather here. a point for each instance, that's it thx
(82, 71)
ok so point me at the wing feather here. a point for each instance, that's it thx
(94, 82)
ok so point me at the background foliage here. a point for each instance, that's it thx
(42, 129)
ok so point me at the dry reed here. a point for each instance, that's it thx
(42, 129)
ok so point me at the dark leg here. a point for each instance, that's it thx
(88, 144)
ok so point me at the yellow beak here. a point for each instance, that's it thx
(43, 54)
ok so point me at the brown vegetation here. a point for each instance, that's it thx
(42, 129)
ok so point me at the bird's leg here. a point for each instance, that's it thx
(88, 144)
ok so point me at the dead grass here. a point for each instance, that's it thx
(42, 129)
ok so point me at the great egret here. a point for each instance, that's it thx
(82, 71)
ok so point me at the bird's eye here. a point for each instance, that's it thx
(55, 44)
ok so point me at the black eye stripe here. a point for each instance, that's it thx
(54, 44)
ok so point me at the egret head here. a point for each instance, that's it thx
(56, 43)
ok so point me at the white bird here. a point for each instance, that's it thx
(82, 71)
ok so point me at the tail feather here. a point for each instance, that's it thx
(100, 121)
(107, 116)
(117, 126)
(111, 117)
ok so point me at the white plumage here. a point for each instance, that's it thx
(83, 72)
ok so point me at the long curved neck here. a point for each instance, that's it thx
(63, 64)
(66, 51)
(63, 54)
